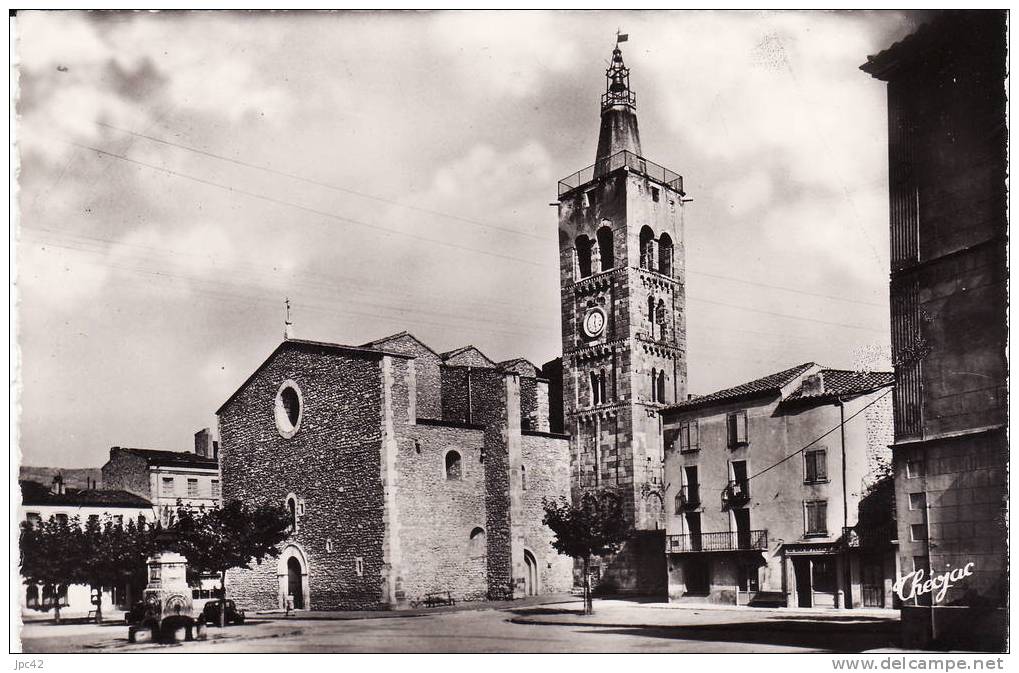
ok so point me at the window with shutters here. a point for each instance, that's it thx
(816, 466)
(688, 437)
(168, 486)
(736, 424)
(215, 488)
(192, 488)
(815, 517)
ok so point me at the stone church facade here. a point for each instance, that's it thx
(406, 472)
(622, 270)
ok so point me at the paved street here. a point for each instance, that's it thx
(617, 626)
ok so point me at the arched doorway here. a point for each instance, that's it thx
(292, 570)
(295, 587)
(530, 574)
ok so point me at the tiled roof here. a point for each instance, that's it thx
(182, 458)
(34, 493)
(770, 383)
(844, 382)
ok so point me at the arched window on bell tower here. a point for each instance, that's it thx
(651, 316)
(665, 254)
(605, 248)
(661, 386)
(602, 386)
(595, 389)
(583, 244)
(647, 239)
(660, 318)
(654, 384)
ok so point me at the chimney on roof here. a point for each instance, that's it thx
(204, 446)
(814, 384)
(58, 485)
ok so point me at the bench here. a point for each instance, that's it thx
(438, 598)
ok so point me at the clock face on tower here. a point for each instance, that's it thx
(594, 322)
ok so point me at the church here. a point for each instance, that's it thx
(410, 473)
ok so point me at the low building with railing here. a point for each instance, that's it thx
(763, 481)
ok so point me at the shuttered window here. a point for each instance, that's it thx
(816, 469)
(737, 428)
(816, 515)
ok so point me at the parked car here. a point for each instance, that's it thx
(210, 613)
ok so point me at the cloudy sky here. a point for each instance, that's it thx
(182, 173)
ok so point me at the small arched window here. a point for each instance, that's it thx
(523, 477)
(595, 388)
(654, 384)
(602, 386)
(292, 513)
(583, 244)
(605, 248)
(661, 386)
(647, 239)
(477, 547)
(660, 318)
(651, 314)
(454, 468)
(32, 596)
(665, 254)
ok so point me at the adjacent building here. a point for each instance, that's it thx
(947, 141)
(41, 502)
(763, 483)
(408, 474)
(168, 478)
(622, 271)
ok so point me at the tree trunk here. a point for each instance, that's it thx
(99, 605)
(588, 599)
(56, 609)
(222, 599)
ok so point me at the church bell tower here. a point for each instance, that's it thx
(622, 271)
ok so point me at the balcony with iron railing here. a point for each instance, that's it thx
(730, 540)
(690, 496)
(618, 160)
(736, 493)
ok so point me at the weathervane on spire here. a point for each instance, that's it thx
(288, 327)
(617, 79)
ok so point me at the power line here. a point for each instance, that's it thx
(314, 211)
(815, 441)
(451, 216)
(787, 289)
(317, 183)
(341, 218)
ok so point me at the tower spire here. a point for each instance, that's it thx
(618, 110)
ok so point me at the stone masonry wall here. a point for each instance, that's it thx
(332, 464)
(426, 372)
(546, 462)
(127, 472)
(437, 515)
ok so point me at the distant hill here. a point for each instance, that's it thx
(74, 477)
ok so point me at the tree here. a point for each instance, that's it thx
(232, 536)
(48, 554)
(595, 526)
